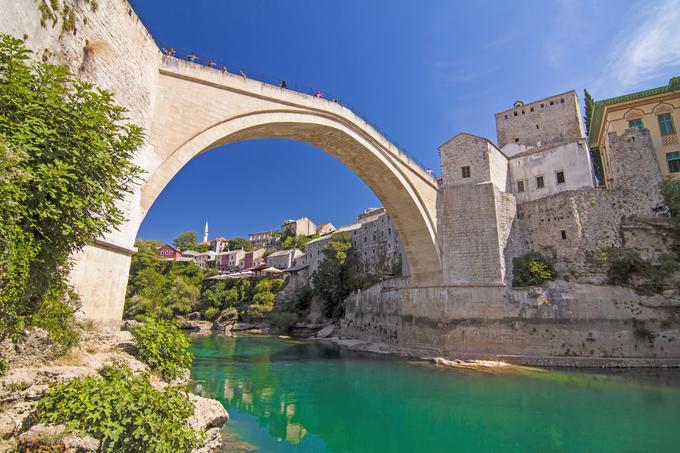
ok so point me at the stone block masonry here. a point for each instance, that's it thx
(555, 119)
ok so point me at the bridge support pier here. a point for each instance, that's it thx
(100, 275)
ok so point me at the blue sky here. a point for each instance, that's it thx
(421, 71)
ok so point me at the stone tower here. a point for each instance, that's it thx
(205, 232)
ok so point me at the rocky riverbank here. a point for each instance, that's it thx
(33, 369)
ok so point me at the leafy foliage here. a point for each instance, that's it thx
(333, 281)
(532, 269)
(162, 288)
(240, 243)
(163, 346)
(125, 412)
(628, 264)
(670, 190)
(185, 241)
(66, 161)
(628, 268)
(297, 242)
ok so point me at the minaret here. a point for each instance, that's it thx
(205, 233)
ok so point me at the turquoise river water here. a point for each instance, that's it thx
(297, 396)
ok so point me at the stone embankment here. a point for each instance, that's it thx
(32, 372)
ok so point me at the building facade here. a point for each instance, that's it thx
(374, 240)
(264, 239)
(168, 252)
(300, 227)
(657, 110)
(325, 228)
(230, 261)
(253, 258)
(283, 259)
(206, 259)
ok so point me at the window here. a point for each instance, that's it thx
(520, 186)
(560, 177)
(673, 160)
(515, 113)
(666, 124)
(636, 123)
(563, 233)
(465, 171)
(532, 109)
(537, 126)
(539, 182)
(561, 100)
(516, 140)
(552, 102)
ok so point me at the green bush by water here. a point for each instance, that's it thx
(125, 412)
(163, 346)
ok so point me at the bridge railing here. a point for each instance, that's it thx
(174, 61)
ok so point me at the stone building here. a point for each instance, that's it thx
(325, 228)
(264, 239)
(283, 259)
(206, 259)
(538, 193)
(554, 119)
(253, 258)
(374, 239)
(230, 261)
(300, 227)
(656, 109)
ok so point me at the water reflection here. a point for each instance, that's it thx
(289, 396)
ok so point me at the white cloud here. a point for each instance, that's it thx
(653, 46)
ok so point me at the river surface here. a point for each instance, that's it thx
(296, 396)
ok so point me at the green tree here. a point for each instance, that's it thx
(70, 148)
(299, 242)
(670, 190)
(333, 279)
(240, 243)
(185, 241)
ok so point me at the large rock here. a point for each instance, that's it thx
(208, 413)
(50, 436)
(187, 324)
(326, 332)
(213, 442)
(36, 346)
(194, 316)
(16, 418)
(226, 319)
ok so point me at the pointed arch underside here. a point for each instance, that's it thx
(194, 114)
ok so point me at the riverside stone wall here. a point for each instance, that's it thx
(564, 320)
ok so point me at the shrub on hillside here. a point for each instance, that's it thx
(163, 346)
(670, 190)
(627, 265)
(123, 411)
(532, 269)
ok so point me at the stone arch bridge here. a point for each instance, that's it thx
(196, 108)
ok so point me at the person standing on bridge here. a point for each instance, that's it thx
(283, 84)
(211, 64)
(317, 94)
(224, 70)
(171, 52)
(192, 57)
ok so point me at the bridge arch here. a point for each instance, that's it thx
(196, 109)
(346, 142)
